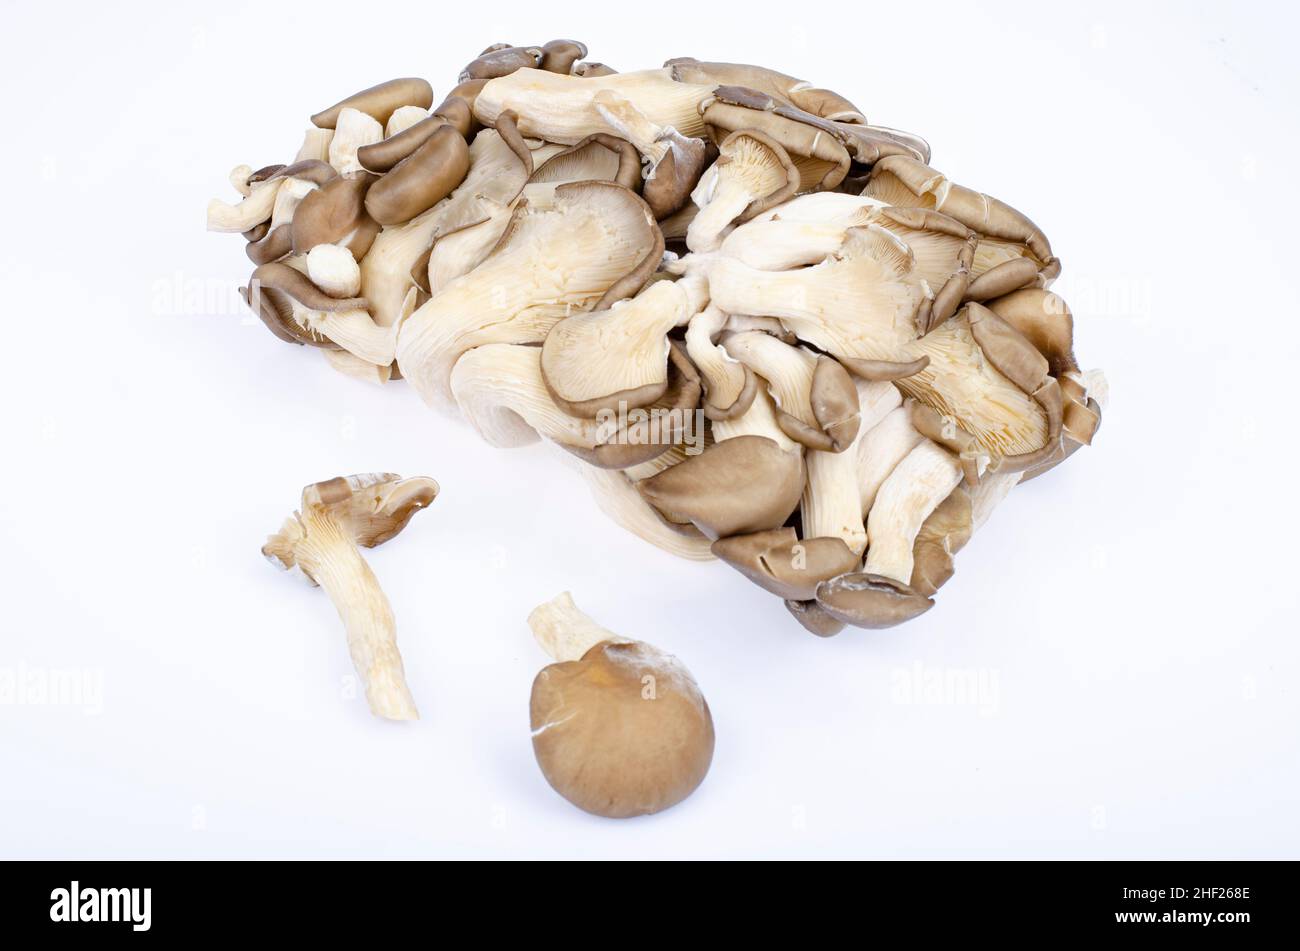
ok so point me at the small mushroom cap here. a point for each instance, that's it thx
(814, 618)
(944, 532)
(671, 181)
(602, 359)
(735, 487)
(331, 212)
(374, 506)
(625, 731)
(1045, 321)
(779, 562)
(870, 601)
(421, 180)
(380, 101)
(502, 60)
(558, 56)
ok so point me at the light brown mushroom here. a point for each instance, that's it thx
(620, 728)
(379, 102)
(421, 180)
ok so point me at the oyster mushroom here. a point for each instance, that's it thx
(918, 484)
(379, 102)
(866, 600)
(620, 728)
(906, 182)
(321, 539)
(751, 174)
(563, 109)
(729, 385)
(597, 238)
(780, 562)
(421, 180)
(285, 296)
(607, 359)
(741, 485)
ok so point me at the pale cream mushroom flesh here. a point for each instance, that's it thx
(321, 540)
(763, 327)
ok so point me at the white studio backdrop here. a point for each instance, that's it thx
(1128, 621)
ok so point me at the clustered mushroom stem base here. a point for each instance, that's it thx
(330, 556)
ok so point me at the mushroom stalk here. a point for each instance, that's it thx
(328, 554)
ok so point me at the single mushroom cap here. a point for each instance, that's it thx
(780, 562)
(870, 601)
(751, 174)
(606, 358)
(379, 102)
(621, 729)
(742, 485)
(421, 180)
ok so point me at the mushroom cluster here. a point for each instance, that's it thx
(767, 329)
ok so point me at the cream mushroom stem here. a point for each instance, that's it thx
(252, 211)
(919, 483)
(322, 538)
(564, 632)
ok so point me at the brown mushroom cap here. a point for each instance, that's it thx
(374, 506)
(385, 154)
(735, 487)
(944, 533)
(625, 731)
(558, 56)
(779, 562)
(379, 102)
(331, 212)
(502, 61)
(675, 176)
(870, 601)
(273, 246)
(1045, 321)
(421, 180)
(814, 618)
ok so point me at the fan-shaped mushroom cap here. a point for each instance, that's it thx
(801, 134)
(617, 497)
(604, 359)
(421, 180)
(751, 174)
(623, 731)
(743, 485)
(867, 600)
(1045, 321)
(379, 102)
(549, 263)
(902, 181)
(797, 92)
(598, 157)
(729, 385)
(375, 506)
(779, 562)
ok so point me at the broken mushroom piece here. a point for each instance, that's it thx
(620, 728)
(321, 539)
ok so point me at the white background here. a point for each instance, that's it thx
(1133, 614)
